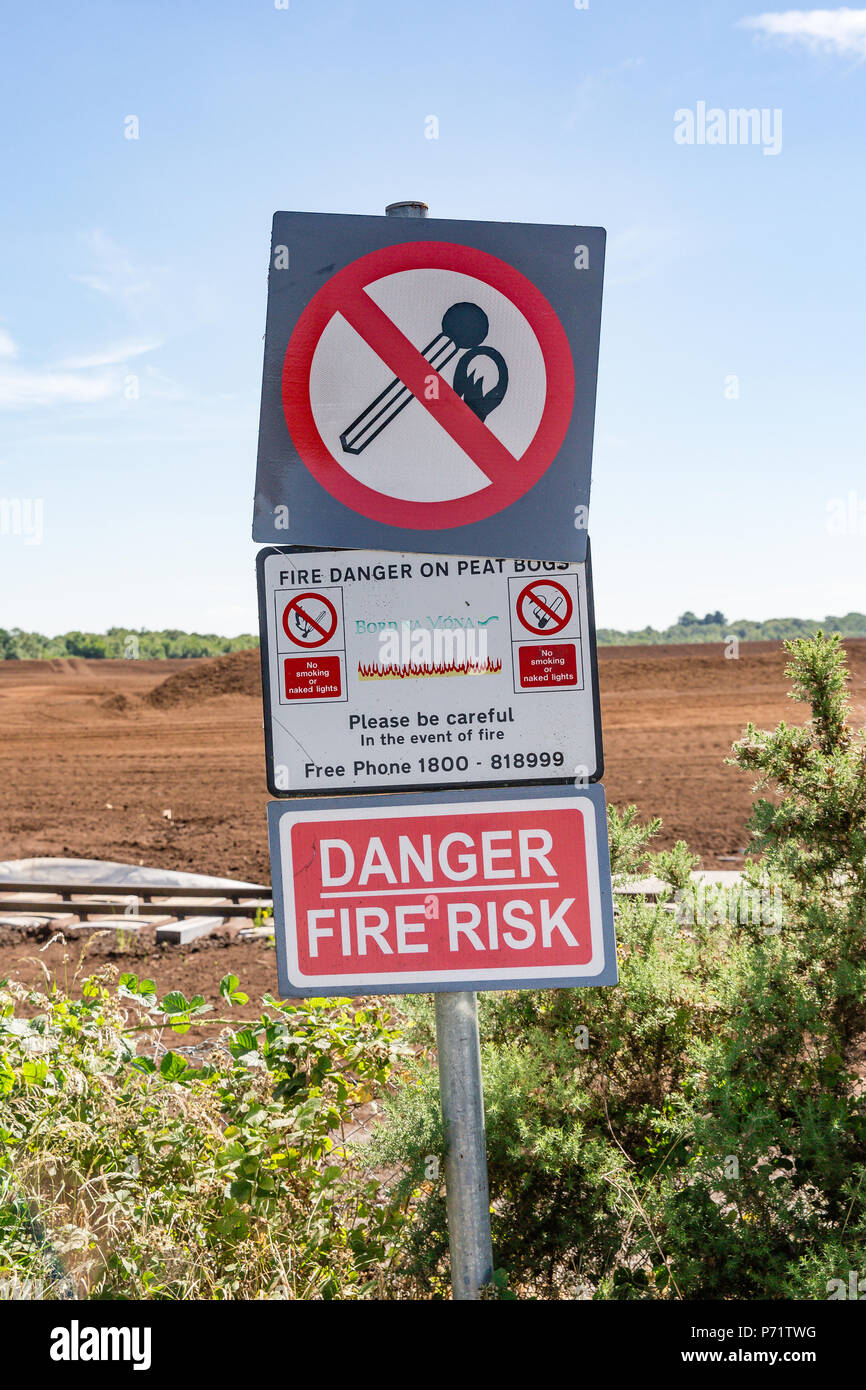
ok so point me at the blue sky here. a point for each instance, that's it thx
(148, 258)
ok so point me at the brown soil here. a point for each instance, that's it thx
(670, 714)
(236, 674)
(93, 753)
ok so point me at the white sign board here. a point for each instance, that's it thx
(403, 671)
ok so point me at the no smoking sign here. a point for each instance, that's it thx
(429, 385)
(310, 620)
(545, 607)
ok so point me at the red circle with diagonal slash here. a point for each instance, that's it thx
(557, 621)
(324, 634)
(510, 477)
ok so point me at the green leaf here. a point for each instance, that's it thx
(242, 1044)
(230, 992)
(175, 1003)
(173, 1067)
(34, 1073)
(145, 1064)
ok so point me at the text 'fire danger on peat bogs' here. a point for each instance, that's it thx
(394, 671)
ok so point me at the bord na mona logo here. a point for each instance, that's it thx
(442, 622)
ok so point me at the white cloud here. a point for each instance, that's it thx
(110, 356)
(823, 31)
(117, 277)
(73, 381)
(160, 386)
(20, 389)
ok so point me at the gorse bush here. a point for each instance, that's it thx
(698, 1131)
(782, 1088)
(577, 1090)
(126, 1171)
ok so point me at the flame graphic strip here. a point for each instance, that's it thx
(410, 672)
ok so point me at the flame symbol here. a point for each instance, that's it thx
(304, 628)
(470, 382)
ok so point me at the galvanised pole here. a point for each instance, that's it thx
(459, 1052)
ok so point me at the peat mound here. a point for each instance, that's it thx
(118, 703)
(67, 666)
(237, 673)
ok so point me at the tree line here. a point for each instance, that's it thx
(154, 645)
(120, 642)
(715, 627)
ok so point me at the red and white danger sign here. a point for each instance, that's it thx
(428, 385)
(392, 897)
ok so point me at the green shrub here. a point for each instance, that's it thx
(577, 1086)
(780, 1090)
(697, 1131)
(143, 1175)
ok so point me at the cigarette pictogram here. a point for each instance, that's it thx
(464, 328)
(306, 625)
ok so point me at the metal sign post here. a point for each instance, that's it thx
(466, 1193)
(461, 1092)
